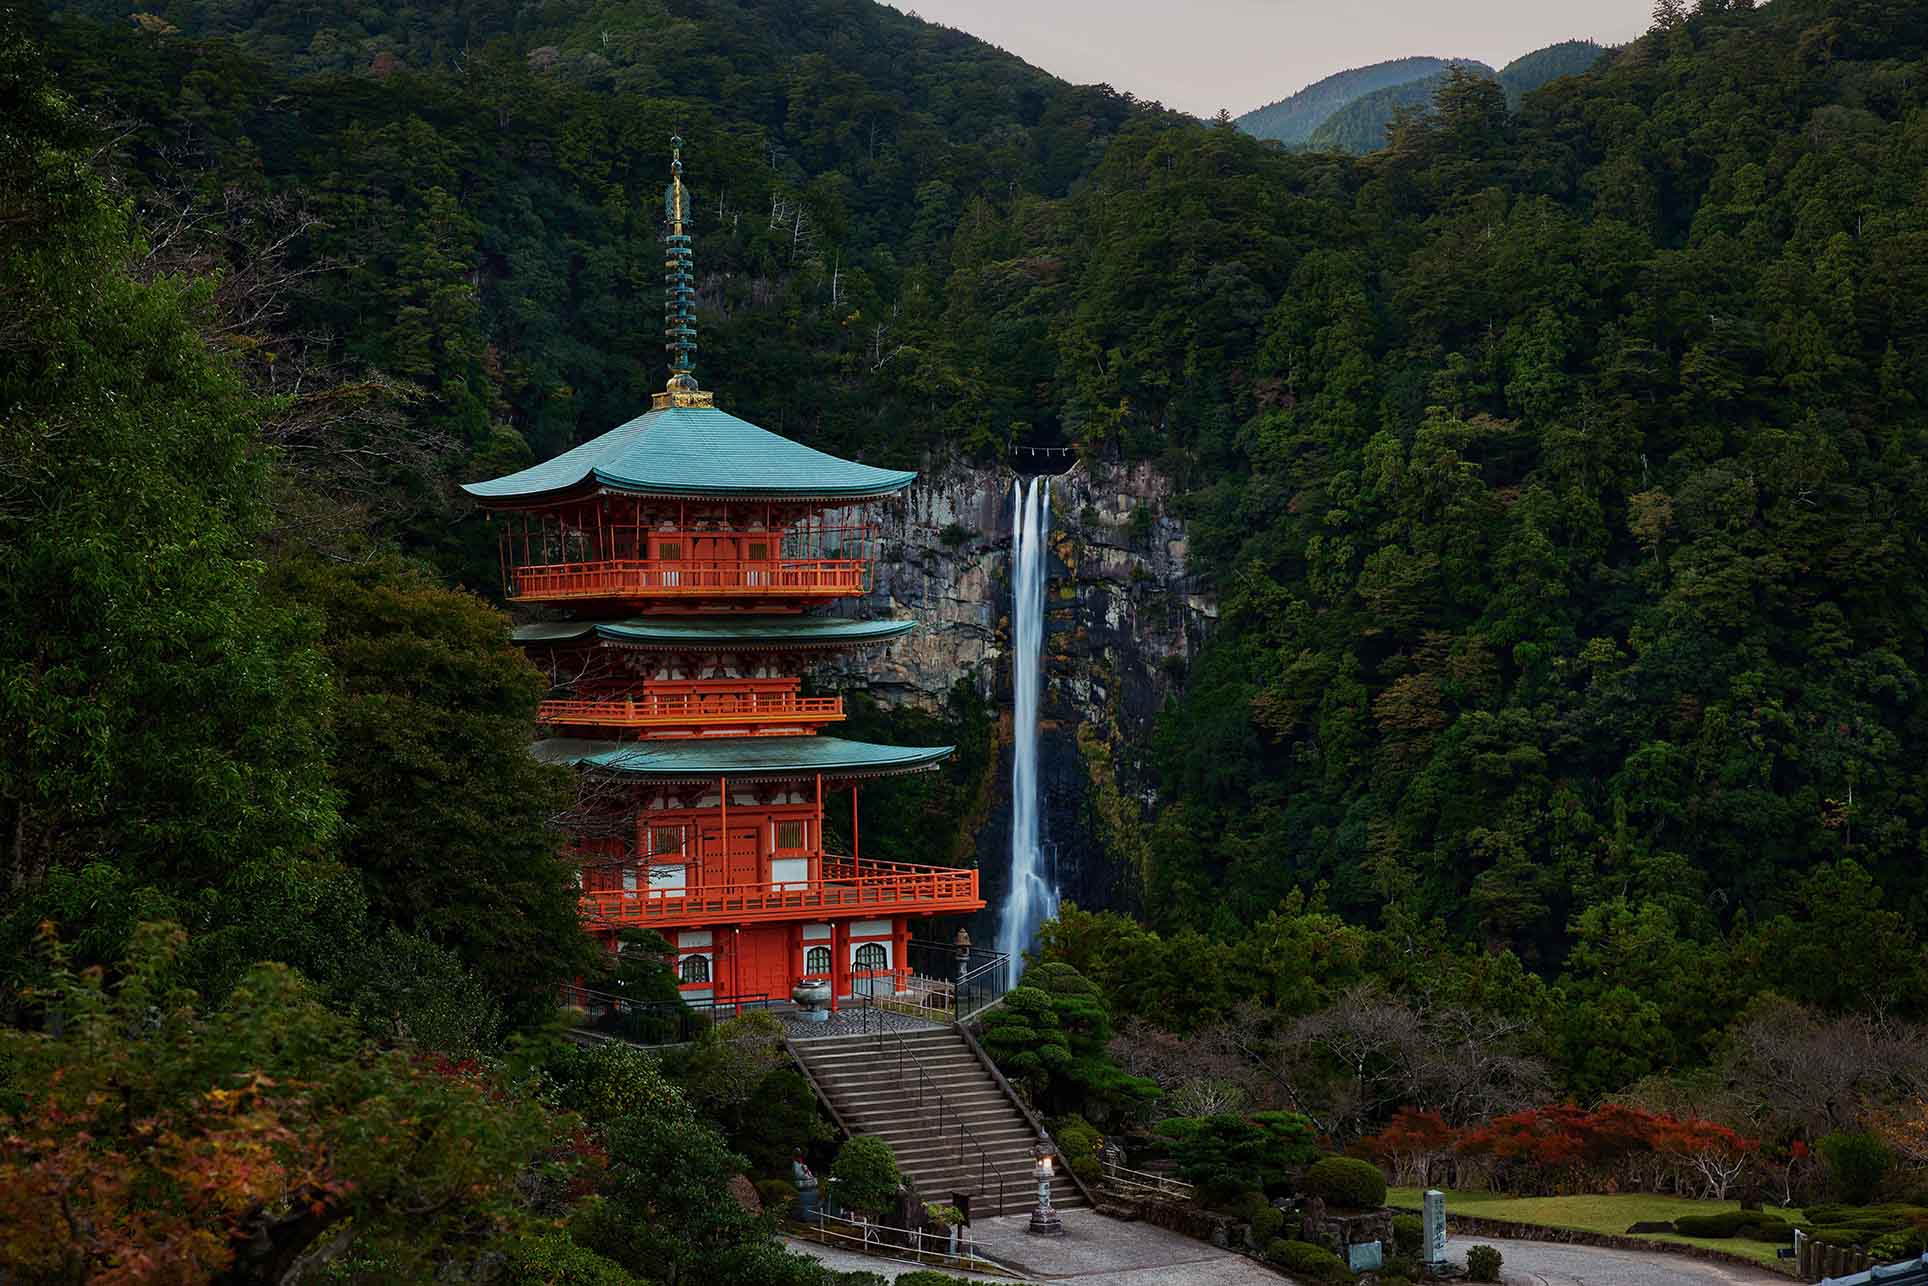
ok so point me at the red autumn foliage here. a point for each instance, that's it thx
(1567, 1146)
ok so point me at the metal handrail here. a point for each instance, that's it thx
(1031, 1118)
(864, 1240)
(926, 1084)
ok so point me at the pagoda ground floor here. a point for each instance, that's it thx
(747, 963)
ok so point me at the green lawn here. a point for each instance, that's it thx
(1607, 1213)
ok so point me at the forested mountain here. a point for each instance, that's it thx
(1293, 120)
(1530, 71)
(480, 232)
(1360, 126)
(1560, 471)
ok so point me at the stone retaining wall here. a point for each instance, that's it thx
(1507, 1229)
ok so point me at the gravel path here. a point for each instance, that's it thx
(851, 1022)
(1542, 1263)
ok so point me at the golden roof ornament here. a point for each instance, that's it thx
(679, 297)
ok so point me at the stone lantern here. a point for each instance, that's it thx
(1044, 1220)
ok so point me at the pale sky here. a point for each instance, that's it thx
(1201, 55)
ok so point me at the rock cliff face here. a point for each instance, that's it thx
(1123, 621)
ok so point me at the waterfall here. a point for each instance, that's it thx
(1030, 898)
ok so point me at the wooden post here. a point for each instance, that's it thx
(817, 848)
(853, 824)
(839, 972)
(723, 795)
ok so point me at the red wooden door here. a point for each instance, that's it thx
(745, 864)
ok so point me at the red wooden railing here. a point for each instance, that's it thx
(690, 710)
(846, 887)
(636, 578)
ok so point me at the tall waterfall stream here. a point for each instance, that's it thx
(1031, 897)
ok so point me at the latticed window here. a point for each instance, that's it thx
(669, 549)
(665, 839)
(871, 957)
(696, 969)
(789, 834)
(757, 551)
(816, 960)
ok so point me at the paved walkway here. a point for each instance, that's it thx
(849, 1261)
(1543, 1263)
(1096, 1248)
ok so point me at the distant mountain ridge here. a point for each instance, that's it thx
(1360, 126)
(1349, 111)
(1292, 120)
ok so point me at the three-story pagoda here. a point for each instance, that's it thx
(688, 549)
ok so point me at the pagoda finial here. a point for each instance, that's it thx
(679, 295)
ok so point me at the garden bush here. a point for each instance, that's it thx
(1901, 1244)
(1483, 1264)
(931, 1277)
(777, 1195)
(1406, 1266)
(1305, 1258)
(1856, 1164)
(1347, 1182)
(1226, 1155)
(1078, 1143)
(1245, 1205)
(1267, 1223)
(1754, 1224)
(1407, 1230)
(866, 1174)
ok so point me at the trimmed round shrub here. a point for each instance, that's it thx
(1078, 1143)
(1304, 1258)
(1347, 1182)
(1267, 1223)
(1407, 1231)
(1754, 1224)
(866, 1174)
(1483, 1264)
(1245, 1205)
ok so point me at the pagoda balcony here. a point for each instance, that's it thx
(847, 887)
(689, 714)
(619, 578)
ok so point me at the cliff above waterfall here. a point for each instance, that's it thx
(1124, 618)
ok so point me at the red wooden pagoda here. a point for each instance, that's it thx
(687, 549)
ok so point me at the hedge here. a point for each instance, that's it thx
(1483, 1263)
(1304, 1257)
(1347, 1182)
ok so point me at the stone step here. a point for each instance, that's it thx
(912, 1100)
(887, 1082)
(872, 1061)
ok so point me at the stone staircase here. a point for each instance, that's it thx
(914, 1090)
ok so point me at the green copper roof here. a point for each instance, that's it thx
(695, 451)
(698, 758)
(717, 631)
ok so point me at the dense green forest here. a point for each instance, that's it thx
(1559, 471)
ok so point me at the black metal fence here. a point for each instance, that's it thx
(657, 1022)
(978, 977)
